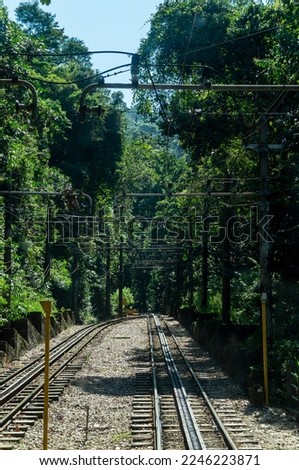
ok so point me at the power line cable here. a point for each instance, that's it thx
(83, 53)
(163, 112)
(169, 123)
(272, 108)
(228, 41)
(63, 54)
(75, 82)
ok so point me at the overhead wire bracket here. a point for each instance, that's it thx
(7, 82)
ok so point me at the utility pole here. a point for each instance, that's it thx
(191, 275)
(191, 256)
(120, 279)
(205, 251)
(179, 279)
(120, 261)
(49, 241)
(264, 238)
(264, 212)
(262, 148)
(226, 263)
(108, 280)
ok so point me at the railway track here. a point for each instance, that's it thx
(179, 403)
(177, 411)
(21, 390)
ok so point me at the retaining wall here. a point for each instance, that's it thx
(237, 350)
(227, 345)
(21, 335)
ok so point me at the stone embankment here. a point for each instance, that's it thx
(22, 335)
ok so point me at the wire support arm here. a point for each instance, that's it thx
(6, 82)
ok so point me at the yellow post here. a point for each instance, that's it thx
(265, 352)
(47, 307)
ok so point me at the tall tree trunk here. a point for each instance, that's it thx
(226, 263)
(7, 255)
(108, 282)
(205, 252)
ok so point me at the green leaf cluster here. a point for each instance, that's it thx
(45, 160)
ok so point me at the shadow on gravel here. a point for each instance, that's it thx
(275, 417)
(100, 384)
(112, 386)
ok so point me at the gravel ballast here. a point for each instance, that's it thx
(94, 412)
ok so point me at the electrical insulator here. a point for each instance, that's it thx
(98, 110)
(205, 76)
(71, 200)
(22, 107)
(135, 69)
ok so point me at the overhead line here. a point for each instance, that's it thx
(203, 87)
(228, 41)
(63, 54)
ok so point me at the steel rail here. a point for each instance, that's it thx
(192, 434)
(157, 408)
(226, 436)
(13, 389)
(31, 363)
(13, 412)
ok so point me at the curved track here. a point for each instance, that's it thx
(21, 392)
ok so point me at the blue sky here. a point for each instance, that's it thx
(103, 25)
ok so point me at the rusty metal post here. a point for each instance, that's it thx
(47, 308)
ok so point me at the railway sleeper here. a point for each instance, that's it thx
(7, 408)
(141, 434)
(234, 426)
(242, 435)
(142, 410)
(60, 383)
(29, 422)
(172, 412)
(19, 434)
(251, 446)
(33, 414)
(10, 439)
(169, 418)
(53, 398)
(143, 445)
(141, 419)
(35, 408)
(143, 426)
(20, 427)
(142, 423)
(56, 389)
(141, 398)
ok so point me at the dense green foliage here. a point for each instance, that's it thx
(229, 42)
(129, 197)
(57, 155)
